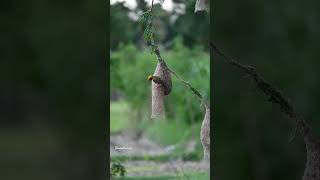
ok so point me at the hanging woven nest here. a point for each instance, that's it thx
(161, 86)
(205, 133)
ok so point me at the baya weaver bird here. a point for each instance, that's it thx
(158, 80)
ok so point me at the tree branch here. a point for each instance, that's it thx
(275, 95)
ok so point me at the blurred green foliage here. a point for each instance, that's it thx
(117, 169)
(181, 21)
(131, 67)
(131, 62)
(120, 113)
(185, 52)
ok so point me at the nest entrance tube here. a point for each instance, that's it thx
(157, 110)
(161, 86)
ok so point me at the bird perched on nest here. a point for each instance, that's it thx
(158, 80)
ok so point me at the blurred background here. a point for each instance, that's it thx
(170, 148)
(280, 38)
(52, 94)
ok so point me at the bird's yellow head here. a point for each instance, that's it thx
(150, 77)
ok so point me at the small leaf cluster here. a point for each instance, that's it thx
(146, 19)
(117, 169)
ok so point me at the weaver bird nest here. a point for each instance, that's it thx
(161, 86)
